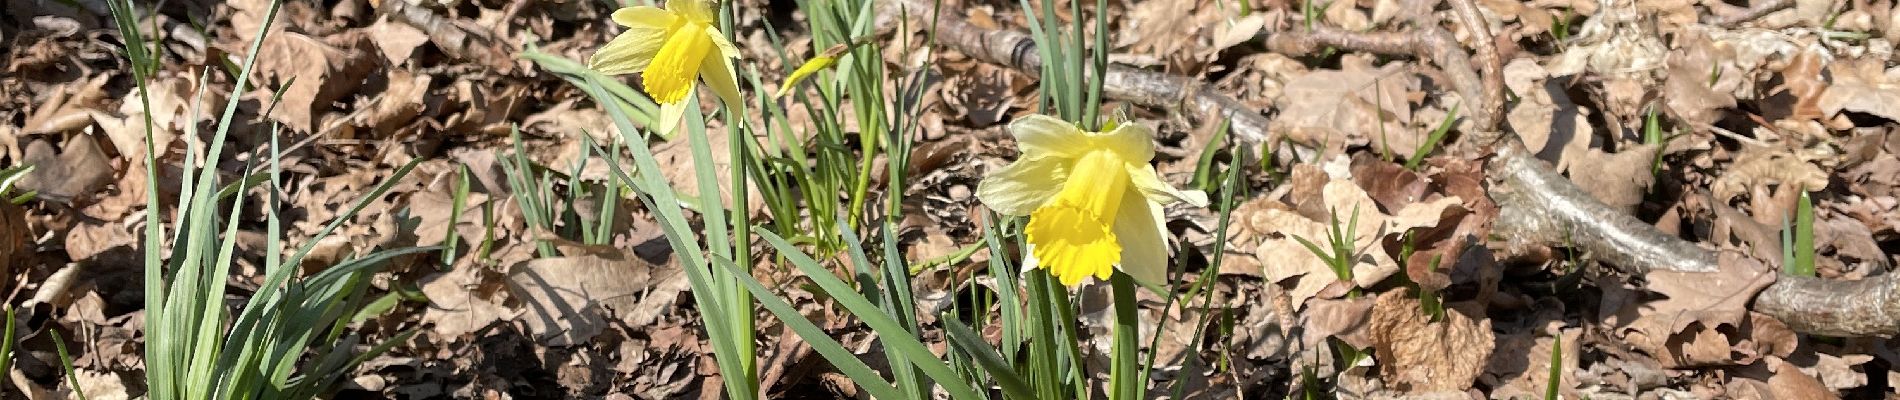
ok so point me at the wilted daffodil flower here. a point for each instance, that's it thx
(671, 48)
(1094, 203)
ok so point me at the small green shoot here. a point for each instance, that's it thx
(1432, 141)
(1797, 254)
(1340, 253)
(1556, 368)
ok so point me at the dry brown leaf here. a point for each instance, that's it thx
(396, 41)
(1616, 41)
(1687, 89)
(984, 94)
(325, 70)
(1759, 169)
(462, 301)
(69, 108)
(1838, 373)
(1421, 356)
(1338, 318)
(75, 172)
(1354, 105)
(568, 299)
(1862, 85)
(400, 103)
(1172, 33)
(1789, 382)
(1520, 367)
(101, 385)
(1618, 180)
(1285, 258)
(1546, 119)
(1686, 329)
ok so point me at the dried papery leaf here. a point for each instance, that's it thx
(1532, 21)
(1704, 321)
(1789, 382)
(1618, 180)
(1694, 69)
(1757, 169)
(1391, 185)
(1175, 34)
(325, 70)
(395, 40)
(1285, 258)
(1238, 31)
(1354, 105)
(464, 300)
(985, 94)
(67, 109)
(400, 103)
(1418, 355)
(1520, 366)
(74, 172)
(1546, 119)
(1802, 79)
(1862, 85)
(1616, 41)
(568, 299)
(676, 157)
(1344, 319)
(1838, 372)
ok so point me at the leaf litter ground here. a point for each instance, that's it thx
(1707, 128)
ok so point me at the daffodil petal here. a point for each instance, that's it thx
(718, 76)
(1139, 227)
(676, 66)
(1133, 142)
(695, 10)
(1023, 186)
(633, 49)
(726, 48)
(1160, 192)
(645, 17)
(671, 114)
(1046, 136)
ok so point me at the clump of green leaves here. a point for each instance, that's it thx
(288, 341)
(1340, 253)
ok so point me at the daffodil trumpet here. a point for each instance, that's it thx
(672, 48)
(1093, 201)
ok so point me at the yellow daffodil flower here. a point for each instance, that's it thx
(1094, 203)
(671, 48)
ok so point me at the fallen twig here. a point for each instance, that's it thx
(1540, 206)
(1754, 11)
(1153, 89)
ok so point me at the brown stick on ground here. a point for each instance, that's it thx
(1755, 10)
(1153, 89)
(1540, 205)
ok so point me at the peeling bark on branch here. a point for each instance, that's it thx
(1540, 206)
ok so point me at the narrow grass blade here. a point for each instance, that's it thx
(840, 358)
(967, 341)
(894, 335)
